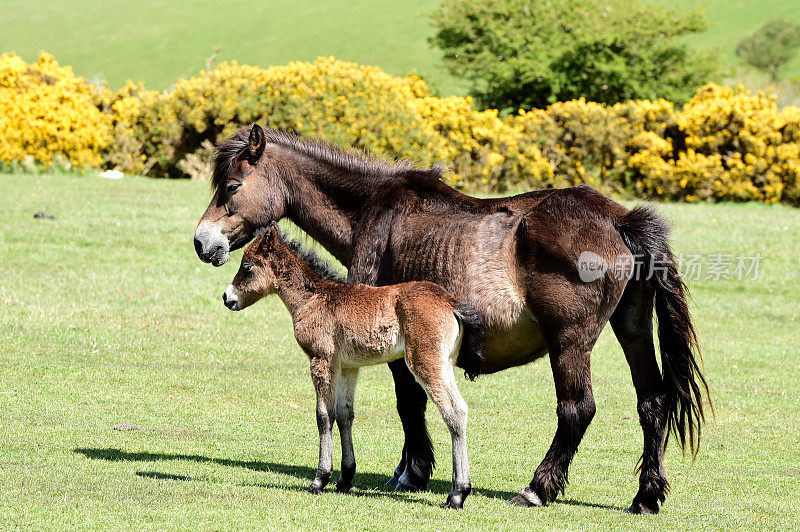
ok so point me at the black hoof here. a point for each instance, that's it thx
(344, 487)
(526, 498)
(455, 499)
(453, 504)
(392, 482)
(316, 490)
(402, 486)
(641, 509)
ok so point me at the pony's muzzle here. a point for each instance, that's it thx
(231, 299)
(210, 244)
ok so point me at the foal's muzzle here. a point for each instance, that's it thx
(231, 299)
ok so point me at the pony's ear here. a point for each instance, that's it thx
(255, 144)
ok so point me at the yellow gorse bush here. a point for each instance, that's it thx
(333, 100)
(337, 101)
(47, 112)
(481, 151)
(725, 144)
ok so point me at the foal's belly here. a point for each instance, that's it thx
(388, 348)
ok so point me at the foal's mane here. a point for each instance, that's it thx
(319, 265)
(373, 171)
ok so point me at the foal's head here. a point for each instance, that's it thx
(249, 193)
(257, 276)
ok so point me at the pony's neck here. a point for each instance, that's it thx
(325, 199)
(319, 204)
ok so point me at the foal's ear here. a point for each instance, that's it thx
(255, 144)
(271, 235)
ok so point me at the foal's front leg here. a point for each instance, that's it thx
(324, 374)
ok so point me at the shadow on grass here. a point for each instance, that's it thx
(162, 476)
(364, 483)
(572, 502)
(355, 492)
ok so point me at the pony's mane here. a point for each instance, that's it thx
(376, 171)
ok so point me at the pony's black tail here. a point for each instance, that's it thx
(470, 358)
(646, 233)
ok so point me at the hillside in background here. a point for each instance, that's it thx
(731, 20)
(157, 42)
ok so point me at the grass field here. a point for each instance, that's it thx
(107, 318)
(159, 42)
(731, 20)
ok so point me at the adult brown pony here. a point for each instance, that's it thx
(546, 269)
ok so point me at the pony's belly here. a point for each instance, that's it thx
(508, 346)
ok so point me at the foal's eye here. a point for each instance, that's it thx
(232, 188)
(247, 267)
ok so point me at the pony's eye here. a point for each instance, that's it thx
(247, 267)
(232, 188)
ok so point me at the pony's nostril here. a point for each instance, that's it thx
(198, 246)
(225, 297)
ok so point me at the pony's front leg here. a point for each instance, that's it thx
(324, 375)
(345, 394)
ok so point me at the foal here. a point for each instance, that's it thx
(342, 327)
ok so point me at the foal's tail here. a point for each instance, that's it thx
(645, 233)
(470, 358)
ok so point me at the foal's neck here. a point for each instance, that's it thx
(297, 283)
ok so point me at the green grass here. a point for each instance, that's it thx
(108, 318)
(729, 21)
(159, 42)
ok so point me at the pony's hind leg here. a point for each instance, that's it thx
(632, 322)
(417, 461)
(324, 375)
(345, 394)
(569, 359)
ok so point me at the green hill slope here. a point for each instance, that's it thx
(731, 20)
(158, 42)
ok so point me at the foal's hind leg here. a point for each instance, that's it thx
(632, 322)
(324, 375)
(444, 393)
(345, 394)
(569, 359)
(432, 363)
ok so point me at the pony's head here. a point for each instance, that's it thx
(248, 194)
(256, 277)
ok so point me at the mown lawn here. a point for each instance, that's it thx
(107, 318)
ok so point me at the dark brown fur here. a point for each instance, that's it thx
(515, 259)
